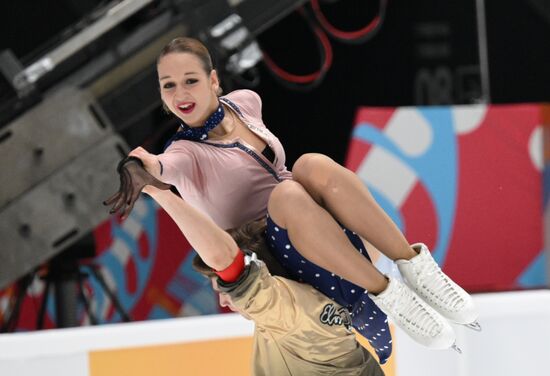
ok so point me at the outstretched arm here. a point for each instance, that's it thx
(215, 246)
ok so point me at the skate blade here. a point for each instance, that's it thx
(474, 326)
(456, 348)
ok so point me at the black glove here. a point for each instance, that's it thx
(133, 177)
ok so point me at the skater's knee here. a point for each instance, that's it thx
(316, 172)
(286, 191)
(287, 198)
(313, 170)
(310, 163)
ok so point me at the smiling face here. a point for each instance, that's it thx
(187, 89)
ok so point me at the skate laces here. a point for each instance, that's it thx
(438, 284)
(411, 311)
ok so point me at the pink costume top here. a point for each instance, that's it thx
(228, 180)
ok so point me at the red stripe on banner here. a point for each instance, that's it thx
(377, 116)
(144, 246)
(357, 152)
(131, 276)
(358, 149)
(103, 237)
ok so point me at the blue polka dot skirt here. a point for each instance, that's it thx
(367, 318)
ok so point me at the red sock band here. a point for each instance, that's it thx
(233, 271)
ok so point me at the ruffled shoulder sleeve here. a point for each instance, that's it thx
(248, 101)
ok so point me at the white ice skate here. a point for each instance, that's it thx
(425, 277)
(421, 322)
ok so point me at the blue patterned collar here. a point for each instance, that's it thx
(201, 133)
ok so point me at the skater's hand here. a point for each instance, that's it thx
(150, 161)
(133, 177)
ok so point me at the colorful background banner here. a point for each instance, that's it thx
(465, 180)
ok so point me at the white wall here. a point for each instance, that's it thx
(515, 341)
(64, 352)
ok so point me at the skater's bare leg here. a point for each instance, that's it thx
(319, 238)
(340, 191)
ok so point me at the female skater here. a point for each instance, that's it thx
(225, 162)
